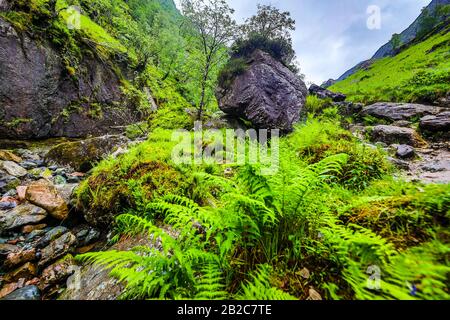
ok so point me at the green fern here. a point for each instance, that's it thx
(260, 288)
(210, 284)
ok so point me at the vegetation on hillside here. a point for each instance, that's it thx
(419, 73)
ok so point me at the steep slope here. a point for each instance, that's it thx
(78, 68)
(420, 73)
(434, 14)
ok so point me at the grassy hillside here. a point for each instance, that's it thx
(421, 73)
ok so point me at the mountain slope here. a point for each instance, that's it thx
(431, 16)
(419, 73)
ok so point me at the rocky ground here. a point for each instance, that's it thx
(40, 227)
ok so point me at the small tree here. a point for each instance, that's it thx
(396, 40)
(270, 23)
(214, 27)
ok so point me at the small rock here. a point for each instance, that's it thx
(46, 196)
(57, 272)
(27, 272)
(31, 228)
(21, 215)
(15, 258)
(57, 248)
(7, 205)
(404, 165)
(21, 192)
(28, 165)
(9, 156)
(7, 182)
(323, 93)
(436, 167)
(59, 180)
(405, 152)
(51, 235)
(8, 288)
(34, 235)
(6, 248)
(13, 169)
(304, 273)
(314, 295)
(86, 235)
(402, 124)
(25, 293)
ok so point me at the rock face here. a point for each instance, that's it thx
(323, 93)
(328, 83)
(38, 96)
(81, 155)
(399, 111)
(395, 135)
(437, 123)
(267, 94)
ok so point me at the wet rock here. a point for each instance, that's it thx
(57, 272)
(20, 216)
(86, 235)
(267, 94)
(34, 235)
(7, 205)
(28, 165)
(81, 155)
(45, 195)
(401, 164)
(26, 271)
(437, 123)
(10, 287)
(25, 293)
(31, 228)
(437, 166)
(399, 111)
(13, 169)
(51, 235)
(66, 191)
(323, 93)
(7, 182)
(16, 258)
(21, 192)
(28, 155)
(6, 155)
(405, 152)
(57, 248)
(6, 248)
(396, 135)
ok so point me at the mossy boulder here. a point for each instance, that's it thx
(81, 155)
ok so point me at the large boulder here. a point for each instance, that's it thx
(437, 123)
(397, 135)
(323, 93)
(267, 94)
(81, 155)
(399, 111)
(39, 96)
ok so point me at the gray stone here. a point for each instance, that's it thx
(28, 165)
(323, 93)
(51, 235)
(267, 94)
(399, 111)
(57, 248)
(21, 215)
(405, 152)
(13, 168)
(25, 293)
(7, 182)
(396, 135)
(437, 123)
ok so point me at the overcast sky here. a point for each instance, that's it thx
(332, 35)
